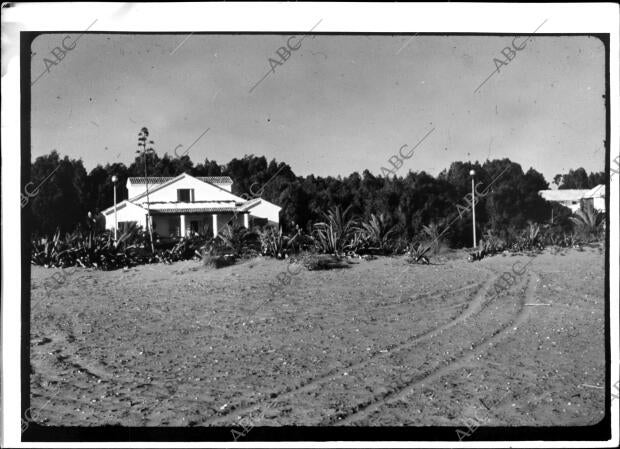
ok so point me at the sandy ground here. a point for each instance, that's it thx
(380, 343)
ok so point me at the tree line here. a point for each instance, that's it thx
(408, 202)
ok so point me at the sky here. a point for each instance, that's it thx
(338, 104)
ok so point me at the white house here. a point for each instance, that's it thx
(596, 196)
(575, 198)
(182, 205)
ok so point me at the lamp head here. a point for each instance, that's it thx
(114, 179)
(472, 173)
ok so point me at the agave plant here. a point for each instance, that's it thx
(416, 253)
(276, 244)
(571, 240)
(432, 232)
(492, 244)
(375, 234)
(529, 239)
(333, 235)
(533, 232)
(87, 249)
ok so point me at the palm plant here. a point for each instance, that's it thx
(333, 235)
(588, 221)
(240, 240)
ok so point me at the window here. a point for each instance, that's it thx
(185, 195)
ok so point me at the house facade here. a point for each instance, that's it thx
(596, 197)
(186, 205)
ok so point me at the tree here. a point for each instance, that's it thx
(57, 194)
(574, 179)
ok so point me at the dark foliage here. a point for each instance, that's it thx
(362, 213)
(579, 179)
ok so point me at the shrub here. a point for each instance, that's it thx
(217, 253)
(184, 249)
(492, 244)
(530, 239)
(374, 235)
(240, 241)
(399, 245)
(571, 240)
(432, 232)
(274, 243)
(334, 235)
(92, 250)
(589, 223)
(89, 250)
(416, 253)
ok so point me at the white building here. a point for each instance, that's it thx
(185, 205)
(597, 197)
(574, 199)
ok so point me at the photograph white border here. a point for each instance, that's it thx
(271, 17)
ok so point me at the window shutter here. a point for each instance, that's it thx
(191, 196)
(179, 195)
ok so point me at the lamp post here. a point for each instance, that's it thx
(473, 206)
(114, 181)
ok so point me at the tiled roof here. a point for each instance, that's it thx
(197, 207)
(193, 210)
(163, 179)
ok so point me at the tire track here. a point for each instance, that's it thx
(475, 306)
(457, 362)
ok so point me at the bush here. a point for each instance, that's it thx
(416, 253)
(185, 248)
(374, 236)
(92, 250)
(530, 239)
(492, 244)
(589, 224)
(274, 243)
(239, 240)
(432, 232)
(334, 235)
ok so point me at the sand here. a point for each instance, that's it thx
(381, 343)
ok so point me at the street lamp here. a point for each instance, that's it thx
(114, 181)
(473, 206)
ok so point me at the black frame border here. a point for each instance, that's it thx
(600, 431)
